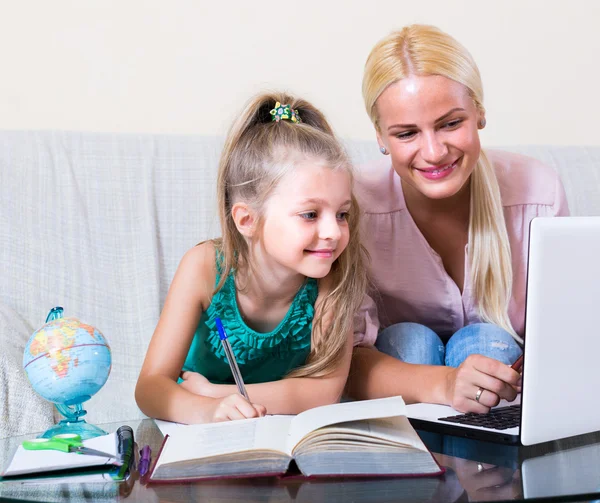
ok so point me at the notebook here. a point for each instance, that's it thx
(50, 466)
(562, 344)
(363, 438)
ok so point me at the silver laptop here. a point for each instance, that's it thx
(561, 375)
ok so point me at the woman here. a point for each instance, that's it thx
(447, 229)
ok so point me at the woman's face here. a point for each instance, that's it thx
(429, 126)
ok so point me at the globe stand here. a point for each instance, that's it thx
(74, 412)
(73, 423)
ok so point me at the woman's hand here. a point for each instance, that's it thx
(234, 407)
(496, 380)
(197, 384)
(484, 481)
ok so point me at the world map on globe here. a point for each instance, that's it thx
(67, 361)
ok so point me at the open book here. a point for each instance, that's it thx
(365, 438)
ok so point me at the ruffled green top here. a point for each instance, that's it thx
(261, 357)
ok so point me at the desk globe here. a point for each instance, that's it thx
(67, 362)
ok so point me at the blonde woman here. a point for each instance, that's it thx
(285, 278)
(447, 229)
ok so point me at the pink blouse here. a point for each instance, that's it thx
(409, 276)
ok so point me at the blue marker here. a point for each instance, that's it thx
(237, 376)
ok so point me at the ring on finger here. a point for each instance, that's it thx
(478, 394)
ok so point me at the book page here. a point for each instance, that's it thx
(200, 441)
(394, 432)
(168, 427)
(319, 417)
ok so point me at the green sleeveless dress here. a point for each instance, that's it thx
(261, 357)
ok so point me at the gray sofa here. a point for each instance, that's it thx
(97, 223)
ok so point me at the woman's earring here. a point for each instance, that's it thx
(383, 150)
(482, 123)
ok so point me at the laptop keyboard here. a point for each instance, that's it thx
(501, 418)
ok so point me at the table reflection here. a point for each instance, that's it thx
(475, 471)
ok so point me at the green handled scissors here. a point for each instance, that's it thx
(66, 442)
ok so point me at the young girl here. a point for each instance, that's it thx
(285, 279)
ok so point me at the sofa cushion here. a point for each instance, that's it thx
(97, 223)
(22, 410)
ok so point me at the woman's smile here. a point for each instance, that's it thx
(438, 172)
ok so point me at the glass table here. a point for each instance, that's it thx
(568, 469)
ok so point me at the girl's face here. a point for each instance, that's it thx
(429, 126)
(305, 225)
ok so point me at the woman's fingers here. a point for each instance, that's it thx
(495, 368)
(493, 386)
(469, 403)
(495, 380)
(487, 399)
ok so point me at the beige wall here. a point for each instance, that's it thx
(186, 66)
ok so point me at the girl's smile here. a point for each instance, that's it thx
(321, 253)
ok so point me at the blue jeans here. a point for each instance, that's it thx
(415, 343)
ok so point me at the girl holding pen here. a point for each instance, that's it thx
(284, 280)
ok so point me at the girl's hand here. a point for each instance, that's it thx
(234, 407)
(196, 383)
(496, 379)
(225, 408)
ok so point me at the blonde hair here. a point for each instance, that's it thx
(257, 154)
(426, 50)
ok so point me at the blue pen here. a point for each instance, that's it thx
(237, 376)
